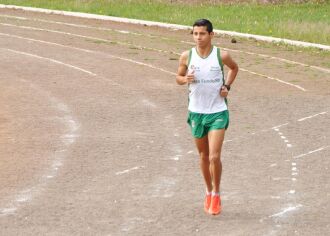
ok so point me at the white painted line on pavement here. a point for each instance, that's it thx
(90, 38)
(165, 25)
(93, 52)
(129, 170)
(145, 48)
(280, 59)
(279, 126)
(273, 78)
(148, 103)
(169, 39)
(51, 60)
(28, 194)
(312, 116)
(286, 210)
(311, 152)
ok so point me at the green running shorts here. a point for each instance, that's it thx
(201, 124)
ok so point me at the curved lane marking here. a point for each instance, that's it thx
(169, 39)
(51, 60)
(286, 210)
(145, 101)
(312, 116)
(92, 52)
(311, 152)
(26, 195)
(146, 48)
(165, 25)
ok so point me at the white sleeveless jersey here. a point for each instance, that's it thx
(204, 93)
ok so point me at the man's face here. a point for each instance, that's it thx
(201, 36)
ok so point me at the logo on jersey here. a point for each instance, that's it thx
(194, 68)
(215, 68)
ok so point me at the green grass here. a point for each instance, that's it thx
(306, 22)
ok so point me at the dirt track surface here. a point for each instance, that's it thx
(93, 138)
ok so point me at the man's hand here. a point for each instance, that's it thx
(224, 92)
(190, 78)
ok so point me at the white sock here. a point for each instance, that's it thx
(215, 194)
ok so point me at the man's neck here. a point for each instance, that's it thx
(204, 51)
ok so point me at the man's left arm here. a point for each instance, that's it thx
(232, 73)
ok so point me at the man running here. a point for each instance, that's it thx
(202, 69)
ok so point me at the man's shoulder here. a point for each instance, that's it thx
(184, 57)
(224, 54)
(185, 54)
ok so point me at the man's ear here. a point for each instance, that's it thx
(212, 34)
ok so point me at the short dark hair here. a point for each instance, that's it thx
(204, 22)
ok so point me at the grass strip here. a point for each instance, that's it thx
(308, 22)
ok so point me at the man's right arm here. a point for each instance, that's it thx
(181, 77)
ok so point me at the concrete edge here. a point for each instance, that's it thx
(170, 26)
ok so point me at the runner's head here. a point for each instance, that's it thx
(204, 22)
(202, 32)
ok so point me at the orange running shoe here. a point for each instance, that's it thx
(207, 202)
(215, 207)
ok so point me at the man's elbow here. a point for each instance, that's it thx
(179, 80)
(235, 68)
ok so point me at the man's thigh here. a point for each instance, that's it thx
(215, 140)
(202, 145)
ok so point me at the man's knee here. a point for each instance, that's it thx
(214, 157)
(204, 156)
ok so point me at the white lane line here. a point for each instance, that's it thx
(168, 39)
(69, 138)
(279, 126)
(271, 57)
(80, 26)
(273, 78)
(91, 27)
(146, 48)
(312, 116)
(63, 107)
(141, 63)
(129, 170)
(276, 128)
(311, 152)
(91, 38)
(92, 52)
(49, 59)
(25, 196)
(176, 157)
(285, 140)
(165, 25)
(281, 59)
(286, 210)
(15, 17)
(148, 103)
(7, 211)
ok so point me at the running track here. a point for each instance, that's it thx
(94, 140)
